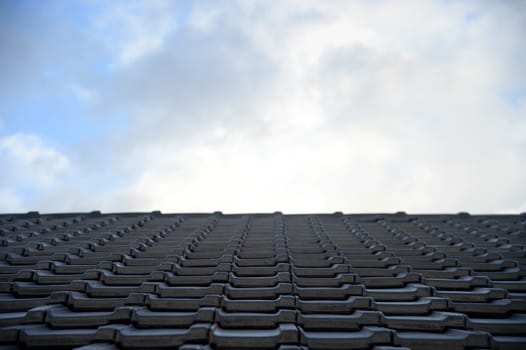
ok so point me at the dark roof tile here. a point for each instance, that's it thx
(289, 282)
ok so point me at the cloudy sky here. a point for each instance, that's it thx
(243, 106)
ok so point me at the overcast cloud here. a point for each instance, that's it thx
(298, 106)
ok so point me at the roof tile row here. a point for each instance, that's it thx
(198, 281)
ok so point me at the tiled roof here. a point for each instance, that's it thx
(214, 281)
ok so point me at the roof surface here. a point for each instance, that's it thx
(214, 281)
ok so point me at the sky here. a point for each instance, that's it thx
(263, 106)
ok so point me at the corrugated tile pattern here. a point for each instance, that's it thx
(196, 281)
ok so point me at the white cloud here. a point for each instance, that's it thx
(309, 106)
(9, 201)
(286, 171)
(138, 28)
(82, 93)
(368, 107)
(30, 162)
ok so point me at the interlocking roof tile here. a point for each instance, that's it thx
(97, 281)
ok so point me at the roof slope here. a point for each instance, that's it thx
(214, 281)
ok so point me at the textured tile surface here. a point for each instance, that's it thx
(267, 281)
